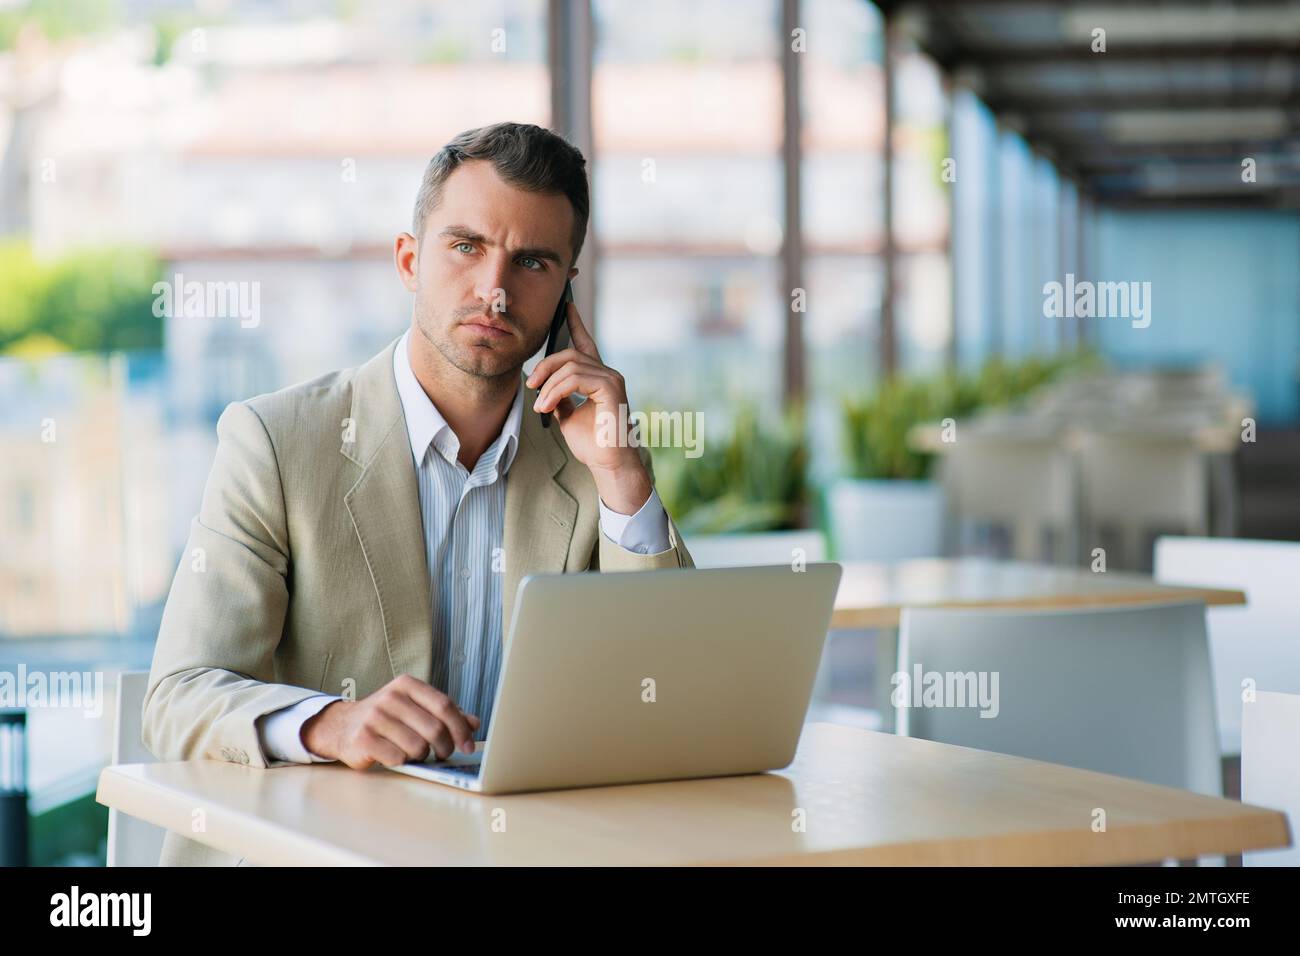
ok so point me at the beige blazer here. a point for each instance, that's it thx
(305, 570)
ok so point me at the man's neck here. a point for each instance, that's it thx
(475, 408)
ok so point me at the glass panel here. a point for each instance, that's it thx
(686, 101)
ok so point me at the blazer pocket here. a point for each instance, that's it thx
(325, 672)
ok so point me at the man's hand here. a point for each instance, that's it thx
(621, 478)
(401, 721)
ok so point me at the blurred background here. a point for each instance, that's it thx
(825, 225)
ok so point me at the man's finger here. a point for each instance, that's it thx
(397, 732)
(582, 339)
(418, 719)
(547, 366)
(442, 707)
(385, 752)
(582, 383)
(579, 363)
(564, 408)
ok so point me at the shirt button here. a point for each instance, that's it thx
(460, 658)
(464, 574)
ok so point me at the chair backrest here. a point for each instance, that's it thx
(1259, 641)
(1004, 478)
(1120, 690)
(1187, 382)
(131, 842)
(1144, 479)
(748, 550)
(1270, 766)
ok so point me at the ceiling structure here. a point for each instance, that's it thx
(1183, 94)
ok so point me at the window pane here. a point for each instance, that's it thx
(279, 149)
(975, 223)
(843, 118)
(841, 330)
(687, 208)
(923, 306)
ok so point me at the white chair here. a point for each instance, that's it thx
(746, 550)
(1270, 766)
(1018, 478)
(1187, 382)
(1120, 690)
(1259, 641)
(131, 842)
(1139, 482)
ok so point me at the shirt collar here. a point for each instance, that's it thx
(425, 424)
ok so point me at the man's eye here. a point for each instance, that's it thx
(527, 259)
(468, 246)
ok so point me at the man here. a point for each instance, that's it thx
(347, 582)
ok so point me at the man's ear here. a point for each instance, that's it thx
(406, 257)
(573, 273)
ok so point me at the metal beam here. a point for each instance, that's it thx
(992, 57)
(792, 247)
(952, 357)
(1270, 200)
(1086, 153)
(569, 38)
(889, 264)
(1037, 104)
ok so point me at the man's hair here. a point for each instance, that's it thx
(525, 156)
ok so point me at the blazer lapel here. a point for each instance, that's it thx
(540, 514)
(384, 503)
(385, 507)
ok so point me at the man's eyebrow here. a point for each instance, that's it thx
(537, 252)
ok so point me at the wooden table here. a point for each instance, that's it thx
(863, 798)
(873, 595)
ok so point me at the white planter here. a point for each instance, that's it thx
(886, 520)
(742, 550)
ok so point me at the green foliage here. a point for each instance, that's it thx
(58, 19)
(876, 428)
(78, 828)
(91, 300)
(445, 49)
(167, 30)
(754, 480)
(876, 425)
(173, 26)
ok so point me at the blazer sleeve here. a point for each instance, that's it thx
(213, 667)
(610, 557)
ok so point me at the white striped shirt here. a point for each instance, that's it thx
(463, 514)
(464, 522)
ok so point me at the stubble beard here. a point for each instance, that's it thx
(485, 366)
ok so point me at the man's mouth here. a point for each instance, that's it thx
(488, 327)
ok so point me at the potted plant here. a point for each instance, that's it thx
(887, 508)
(745, 500)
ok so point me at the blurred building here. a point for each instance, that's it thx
(287, 155)
(84, 496)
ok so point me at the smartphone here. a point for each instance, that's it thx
(559, 338)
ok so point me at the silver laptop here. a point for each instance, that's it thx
(650, 675)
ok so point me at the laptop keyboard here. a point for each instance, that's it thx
(467, 770)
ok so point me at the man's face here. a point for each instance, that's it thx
(490, 270)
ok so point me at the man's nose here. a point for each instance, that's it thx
(490, 283)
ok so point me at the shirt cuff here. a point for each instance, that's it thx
(645, 532)
(280, 732)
